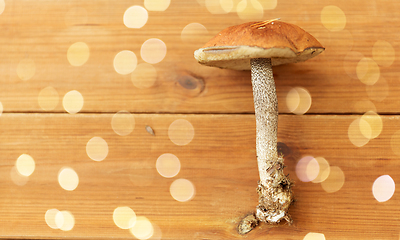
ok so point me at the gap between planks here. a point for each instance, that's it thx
(201, 113)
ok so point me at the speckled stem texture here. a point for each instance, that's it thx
(274, 188)
(266, 112)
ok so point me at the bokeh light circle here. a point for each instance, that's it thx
(26, 69)
(335, 180)
(375, 124)
(25, 165)
(73, 102)
(383, 188)
(97, 149)
(50, 218)
(168, 165)
(298, 100)
(157, 5)
(135, 17)
(181, 132)
(48, 98)
(324, 170)
(182, 190)
(125, 62)
(314, 236)
(333, 18)
(2, 6)
(78, 54)
(65, 220)
(250, 10)
(143, 228)
(307, 169)
(192, 32)
(124, 217)
(68, 179)
(383, 53)
(359, 132)
(153, 50)
(123, 123)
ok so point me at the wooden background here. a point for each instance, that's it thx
(357, 73)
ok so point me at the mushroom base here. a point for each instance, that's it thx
(275, 197)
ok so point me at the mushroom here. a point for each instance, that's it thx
(257, 46)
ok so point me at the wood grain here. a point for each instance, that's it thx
(219, 161)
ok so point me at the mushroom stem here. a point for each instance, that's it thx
(274, 188)
(266, 113)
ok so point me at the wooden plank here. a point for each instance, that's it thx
(219, 162)
(182, 86)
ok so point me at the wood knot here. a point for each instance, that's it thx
(283, 150)
(193, 85)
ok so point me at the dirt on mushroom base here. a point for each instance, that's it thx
(274, 200)
(247, 224)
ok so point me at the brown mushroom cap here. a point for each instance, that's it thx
(234, 46)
